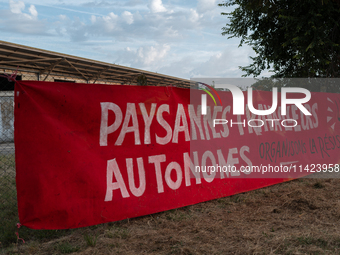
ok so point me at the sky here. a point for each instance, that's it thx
(172, 37)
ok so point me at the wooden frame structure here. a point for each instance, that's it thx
(47, 63)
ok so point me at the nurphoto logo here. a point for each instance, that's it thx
(239, 102)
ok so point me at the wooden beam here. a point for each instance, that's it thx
(26, 60)
(100, 73)
(52, 66)
(76, 69)
(34, 55)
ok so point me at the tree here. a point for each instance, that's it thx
(312, 84)
(291, 38)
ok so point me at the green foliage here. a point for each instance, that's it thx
(312, 84)
(313, 241)
(142, 80)
(291, 38)
(8, 201)
(90, 240)
(318, 185)
(66, 248)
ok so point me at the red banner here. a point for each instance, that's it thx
(88, 154)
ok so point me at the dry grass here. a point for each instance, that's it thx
(297, 217)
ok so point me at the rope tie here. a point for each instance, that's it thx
(17, 233)
(10, 77)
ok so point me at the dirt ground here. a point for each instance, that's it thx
(296, 217)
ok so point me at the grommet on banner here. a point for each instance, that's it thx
(167, 92)
(17, 233)
(11, 77)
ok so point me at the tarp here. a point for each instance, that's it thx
(88, 154)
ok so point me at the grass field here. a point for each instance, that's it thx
(296, 217)
(8, 204)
